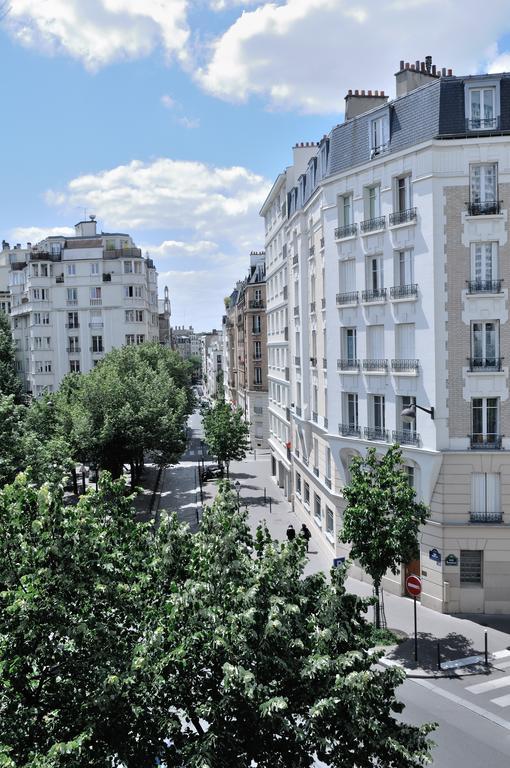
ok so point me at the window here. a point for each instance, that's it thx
(71, 269)
(485, 496)
(96, 318)
(485, 344)
(74, 366)
(97, 344)
(307, 494)
(72, 320)
(375, 274)
(257, 350)
(128, 267)
(35, 270)
(345, 210)
(45, 270)
(130, 339)
(404, 341)
(347, 275)
(317, 510)
(95, 293)
(298, 484)
(94, 268)
(483, 189)
(72, 344)
(409, 470)
(129, 315)
(407, 427)
(375, 342)
(45, 318)
(328, 464)
(72, 296)
(329, 521)
(379, 134)
(402, 193)
(404, 268)
(140, 338)
(372, 202)
(351, 409)
(139, 316)
(133, 291)
(40, 294)
(481, 108)
(484, 415)
(55, 249)
(256, 324)
(349, 345)
(471, 567)
(484, 265)
(257, 373)
(377, 413)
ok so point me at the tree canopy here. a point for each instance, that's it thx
(10, 382)
(382, 517)
(226, 432)
(121, 646)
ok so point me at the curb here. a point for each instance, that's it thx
(422, 674)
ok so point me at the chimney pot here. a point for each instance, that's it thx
(376, 93)
(349, 92)
(443, 71)
(450, 72)
(434, 70)
(369, 93)
(413, 67)
(422, 66)
(382, 93)
(363, 92)
(401, 64)
(407, 65)
(356, 92)
(417, 64)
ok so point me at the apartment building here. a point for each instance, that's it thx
(75, 298)
(164, 313)
(397, 254)
(5, 296)
(245, 349)
(212, 363)
(186, 341)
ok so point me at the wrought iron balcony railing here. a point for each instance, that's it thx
(404, 291)
(370, 225)
(315, 416)
(405, 365)
(348, 230)
(490, 442)
(405, 437)
(375, 365)
(256, 304)
(312, 307)
(485, 363)
(347, 364)
(349, 430)
(484, 286)
(402, 217)
(482, 124)
(487, 208)
(485, 517)
(351, 297)
(376, 433)
(374, 294)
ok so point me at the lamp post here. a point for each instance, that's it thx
(409, 414)
(237, 486)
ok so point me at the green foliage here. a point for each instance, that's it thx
(118, 647)
(10, 382)
(226, 432)
(382, 517)
(11, 438)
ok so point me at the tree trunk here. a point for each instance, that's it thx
(377, 606)
(75, 481)
(133, 475)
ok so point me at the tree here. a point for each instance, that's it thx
(11, 438)
(226, 433)
(120, 647)
(382, 517)
(10, 382)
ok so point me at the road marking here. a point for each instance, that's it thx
(504, 654)
(501, 701)
(502, 664)
(490, 685)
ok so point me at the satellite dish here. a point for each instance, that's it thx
(92, 216)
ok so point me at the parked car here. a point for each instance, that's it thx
(210, 472)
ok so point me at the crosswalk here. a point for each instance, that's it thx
(501, 661)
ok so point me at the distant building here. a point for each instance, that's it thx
(186, 341)
(212, 363)
(165, 336)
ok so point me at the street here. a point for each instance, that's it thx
(472, 708)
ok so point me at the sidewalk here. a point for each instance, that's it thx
(459, 636)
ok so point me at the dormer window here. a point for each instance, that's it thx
(482, 106)
(379, 134)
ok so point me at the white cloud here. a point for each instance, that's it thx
(212, 203)
(98, 32)
(189, 122)
(168, 102)
(35, 234)
(306, 54)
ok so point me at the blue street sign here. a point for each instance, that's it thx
(435, 555)
(337, 561)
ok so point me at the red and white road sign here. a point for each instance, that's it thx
(413, 585)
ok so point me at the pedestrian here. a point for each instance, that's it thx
(291, 533)
(305, 533)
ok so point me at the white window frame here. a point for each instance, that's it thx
(379, 133)
(481, 85)
(488, 254)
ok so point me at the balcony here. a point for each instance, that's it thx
(486, 442)
(96, 302)
(256, 330)
(313, 362)
(297, 360)
(96, 351)
(59, 279)
(404, 291)
(485, 364)
(298, 411)
(376, 433)
(312, 307)
(351, 297)
(374, 294)
(296, 311)
(487, 208)
(347, 364)
(315, 417)
(482, 124)
(405, 437)
(325, 422)
(72, 325)
(311, 250)
(484, 286)
(375, 365)
(122, 253)
(107, 277)
(349, 430)
(295, 259)
(256, 304)
(405, 365)
(257, 386)
(348, 230)
(371, 225)
(95, 324)
(73, 349)
(403, 217)
(72, 302)
(485, 517)
(257, 357)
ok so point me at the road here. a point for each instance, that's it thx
(473, 711)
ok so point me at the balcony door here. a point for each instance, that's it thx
(484, 263)
(484, 183)
(485, 344)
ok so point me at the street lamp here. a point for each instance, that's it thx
(408, 415)
(237, 486)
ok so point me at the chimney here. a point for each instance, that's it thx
(412, 76)
(359, 102)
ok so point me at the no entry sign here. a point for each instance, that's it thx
(413, 585)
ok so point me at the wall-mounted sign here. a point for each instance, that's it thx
(451, 560)
(338, 561)
(435, 555)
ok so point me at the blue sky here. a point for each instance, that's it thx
(170, 119)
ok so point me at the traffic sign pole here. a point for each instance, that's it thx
(413, 586)
(415, 632)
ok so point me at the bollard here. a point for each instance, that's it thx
(265, 496)
(438, 656)
(270, 500)
(198, 515)
(486, 649)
